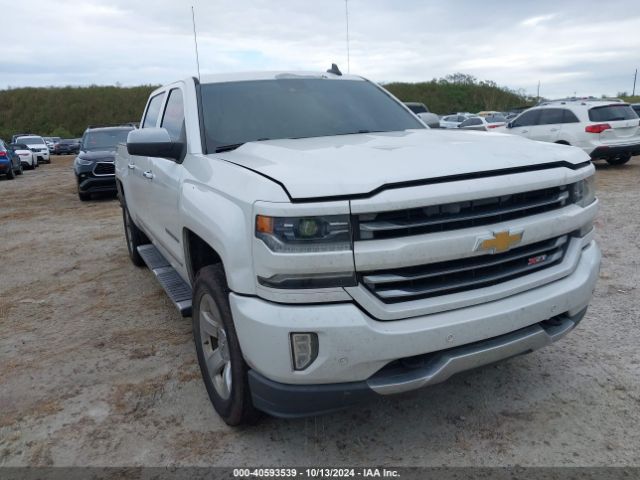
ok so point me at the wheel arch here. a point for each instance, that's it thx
(198, 253)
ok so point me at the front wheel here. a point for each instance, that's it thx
(11, 174)
(20, 170)
(619, 160)
(223, 368)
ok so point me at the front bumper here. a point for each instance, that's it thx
(290, 401)
(609, 151)
(88, 182)
(354, 348)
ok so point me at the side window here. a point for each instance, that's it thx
(569, 117)
(173, 118)
(551, 116)
(153, 111)
(527, 118)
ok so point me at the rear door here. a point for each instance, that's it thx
(622, 119)
(137, 184)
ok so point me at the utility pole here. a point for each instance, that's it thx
(635, 77)
(346, 13)
(538, 95)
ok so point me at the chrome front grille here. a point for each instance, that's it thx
(453, 216)
(104, 168)
(460, 275)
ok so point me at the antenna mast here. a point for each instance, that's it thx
(195, 40)
(346, 12)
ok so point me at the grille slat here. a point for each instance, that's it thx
(451, 216)
(104, 168)
(464, 274)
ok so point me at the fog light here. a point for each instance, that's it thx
(304, 349)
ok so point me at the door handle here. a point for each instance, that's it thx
(131, 166)
(148, 174)
(524, 131)
(554, 130)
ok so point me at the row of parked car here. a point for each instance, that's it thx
(62, 146)
(607, 129)
(22, 152)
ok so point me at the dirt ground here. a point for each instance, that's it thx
(97, 368)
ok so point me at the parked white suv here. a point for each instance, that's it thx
(37, 145)
(608, 130)
(330, 248)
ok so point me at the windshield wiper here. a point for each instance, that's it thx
(233, 146)
(228, 148)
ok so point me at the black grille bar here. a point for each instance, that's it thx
(452, 216)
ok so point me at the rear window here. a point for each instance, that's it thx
(30, 140)
(495, 119)
(611, 113)
(417, 108)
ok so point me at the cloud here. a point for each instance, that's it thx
(103, 42)
(535, 21)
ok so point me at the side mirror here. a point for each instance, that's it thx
(510, 125)
(153, 142)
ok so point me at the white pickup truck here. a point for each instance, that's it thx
(330, 248)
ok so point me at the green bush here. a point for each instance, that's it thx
(66, 112)
(459, 93)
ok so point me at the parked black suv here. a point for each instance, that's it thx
(94, 166)
(67, 146)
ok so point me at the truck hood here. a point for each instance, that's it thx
(108, 155)
(353, 165)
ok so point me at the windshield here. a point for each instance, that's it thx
(30, 140)
(239, 112)
(611, 113)
(104, 139)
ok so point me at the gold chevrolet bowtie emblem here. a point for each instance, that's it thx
(499, 242)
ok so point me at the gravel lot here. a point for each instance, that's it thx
(97, 368)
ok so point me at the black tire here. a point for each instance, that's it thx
(619, 160)
(20, 170)
(84, 197)
(134, 237)
(237, 408)
(11, 174)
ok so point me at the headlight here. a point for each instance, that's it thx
(584, 191)
(82, 161)
(305, 234)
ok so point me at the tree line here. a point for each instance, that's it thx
(66, 111)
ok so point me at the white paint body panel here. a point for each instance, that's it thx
(217, 197)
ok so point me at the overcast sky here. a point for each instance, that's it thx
(586, 47)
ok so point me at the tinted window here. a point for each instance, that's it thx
(173, 119)
(470, 122)
(569, 117)
(451, 119)
(238, 112)
(611, 113)
(95, 140)
(153, 111)
(550, 116)
(495, 119)
(527, 118)
(417, 108)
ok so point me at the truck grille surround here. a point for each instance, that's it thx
(453, 276)
(459, 215)
(104, 168)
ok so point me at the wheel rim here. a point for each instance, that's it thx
(215, 347)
